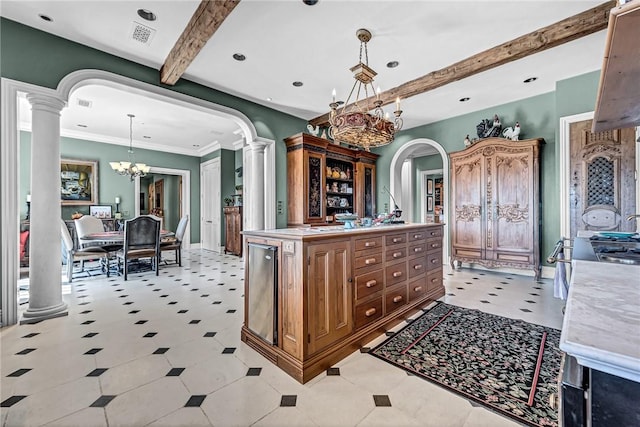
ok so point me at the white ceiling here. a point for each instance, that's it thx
(286, 41)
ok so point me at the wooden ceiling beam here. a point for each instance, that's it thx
(203, 24)
(572, 28)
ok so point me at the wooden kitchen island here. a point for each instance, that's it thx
(336, 289)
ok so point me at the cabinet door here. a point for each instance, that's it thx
(512, 208)
(467, 189)
(314, 200)
(365, 203)
(330, 295)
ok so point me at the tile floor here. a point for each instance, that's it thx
(166, 351)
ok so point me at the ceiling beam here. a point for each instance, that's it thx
(574, 27)
(203, 24)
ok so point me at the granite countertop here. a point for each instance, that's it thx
(334, 230)
(601, 326)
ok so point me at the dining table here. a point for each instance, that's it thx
(112, 241)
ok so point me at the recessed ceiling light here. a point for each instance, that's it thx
(81, 126)
(239, 57)
(392, 64)
(530, 79)
(45, 17)
(309, 2)
(196, 145)
(146, 15)
(269, 99)
(465, 99)
(297, 84)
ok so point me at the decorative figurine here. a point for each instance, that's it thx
(467, 141)
(486, 128)
(512, 133)
(313, 131)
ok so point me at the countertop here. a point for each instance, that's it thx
(312, 233)
(601, 326)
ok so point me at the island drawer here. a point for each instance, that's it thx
(369, 311)
(417, 266)
(369, 283)
(434, 260)
(368, 243)
(396, 254)
(417, 288)
(434, 232)
(434, 279)
(417, 249)
(395, 273)
(434, 244)
(369, 260)
(396, 239)
(417, 236)
(395, 298)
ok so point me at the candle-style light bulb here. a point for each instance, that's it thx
(378, 93)
(333, 95)
(398, 104)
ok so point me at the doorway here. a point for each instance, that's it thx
(210, 205)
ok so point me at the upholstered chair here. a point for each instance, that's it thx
(175, 243)
(141, 240)
(81, 255)
(87, 225)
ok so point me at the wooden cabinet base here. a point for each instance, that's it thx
(305, 370)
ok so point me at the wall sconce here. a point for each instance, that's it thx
(28, 206)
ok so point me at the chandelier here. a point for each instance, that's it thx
(363, 125)
(130, 168)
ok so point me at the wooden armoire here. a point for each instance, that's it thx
(495, 204)
(233, 227)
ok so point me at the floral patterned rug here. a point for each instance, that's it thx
(508, 365)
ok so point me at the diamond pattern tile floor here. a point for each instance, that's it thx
(145, 361)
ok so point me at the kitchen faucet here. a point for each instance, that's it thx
(630, 217)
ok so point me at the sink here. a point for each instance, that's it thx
(620, 259)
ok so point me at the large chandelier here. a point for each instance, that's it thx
(361, 124)
(130, 168)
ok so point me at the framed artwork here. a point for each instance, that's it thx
(429, 203)
(429, 186)
(100, 211)
(78, 182)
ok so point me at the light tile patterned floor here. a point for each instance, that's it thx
(166, 351)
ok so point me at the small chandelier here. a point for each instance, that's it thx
(130, 168)
(356, 125)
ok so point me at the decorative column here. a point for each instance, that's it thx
(45, 259)
(256, 188)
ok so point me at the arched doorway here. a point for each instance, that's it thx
(402, 186)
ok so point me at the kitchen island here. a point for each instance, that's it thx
(334, 289)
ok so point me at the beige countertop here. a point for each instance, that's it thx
(312, 233)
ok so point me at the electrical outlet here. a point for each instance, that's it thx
(279, 208)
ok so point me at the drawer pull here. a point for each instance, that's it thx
(397, 273)
(397, 298)
(397, 239)
(434, 261)
(369, 244)
(435, 279)
(417, 289)
(397, 254)
(417, 267)
(417, 236)
(435, 245)
(433, 233)
(370, 261)
(371, 283)
(419, 249)
(370, 312)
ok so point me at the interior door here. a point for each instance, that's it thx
(602, 190)
(210, 205)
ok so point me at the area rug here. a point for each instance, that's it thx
(507, 365)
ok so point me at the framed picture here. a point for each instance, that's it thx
(78, 182)
(429, 203)
(429, 186)
(100, 211)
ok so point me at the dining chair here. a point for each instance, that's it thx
(175, 243)
(81, 255)
(141, 240)
(87, 225)
(157, 218)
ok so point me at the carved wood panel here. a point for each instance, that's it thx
(602, 189)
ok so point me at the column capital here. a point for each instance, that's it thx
(51, 104)
(259, 144)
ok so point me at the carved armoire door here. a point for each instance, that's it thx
(602, 188)
(468, 196)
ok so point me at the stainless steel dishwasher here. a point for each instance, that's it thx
(263, 273)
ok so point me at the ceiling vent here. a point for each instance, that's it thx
(141, 33)
(84, 103)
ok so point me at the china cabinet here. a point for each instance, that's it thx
(495, 199)
(324, 179)
(233, 227)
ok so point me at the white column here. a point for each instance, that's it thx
(256, 188)
(45, 290)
